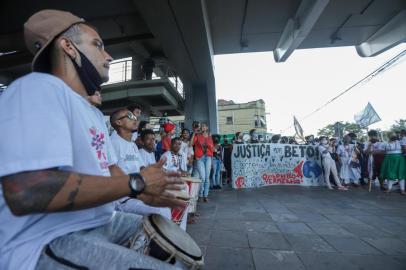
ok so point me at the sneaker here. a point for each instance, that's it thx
(205, 199)
(342, 188)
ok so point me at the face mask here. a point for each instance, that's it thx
(393, 138)
(88, 74)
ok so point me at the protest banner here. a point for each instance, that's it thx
(257, 165)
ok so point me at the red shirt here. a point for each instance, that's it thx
(201, 142)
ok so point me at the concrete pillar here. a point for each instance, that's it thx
(201, 106)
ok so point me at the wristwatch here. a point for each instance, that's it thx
(137, 184)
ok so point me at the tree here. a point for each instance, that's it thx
(326, 131)
(347, 127)
(399, 125)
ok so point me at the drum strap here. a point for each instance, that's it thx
(63, 261)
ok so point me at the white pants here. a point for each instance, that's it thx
(401, 183)
(329, 166)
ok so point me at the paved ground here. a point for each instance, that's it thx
(302, 228)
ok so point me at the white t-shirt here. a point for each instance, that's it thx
(129, 158)
(45, 124)
(186, 151)
(325, 151)
(174, 162)
(147, 157)
(345, 151)
(130, 161)
(393, 147)
(376, 146)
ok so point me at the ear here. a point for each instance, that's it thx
(67, 46)
(117, 123)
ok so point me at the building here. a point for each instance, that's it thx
(242, 117)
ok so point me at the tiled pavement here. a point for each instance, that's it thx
(293, 228)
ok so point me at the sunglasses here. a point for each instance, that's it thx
(130, 116)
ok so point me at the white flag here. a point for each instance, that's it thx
(367, 116)
(298, 128)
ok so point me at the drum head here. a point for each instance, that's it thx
(191, 179)
(180, 194)
(176, 236)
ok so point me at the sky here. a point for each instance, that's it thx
(307, 80)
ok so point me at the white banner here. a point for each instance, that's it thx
(257, 165)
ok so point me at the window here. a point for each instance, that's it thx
(229, 120)
(259, 122)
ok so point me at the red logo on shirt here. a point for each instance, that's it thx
(97, 144)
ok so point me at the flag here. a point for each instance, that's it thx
(298, 128)
(367, 116)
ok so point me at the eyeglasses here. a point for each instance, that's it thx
(130, 116)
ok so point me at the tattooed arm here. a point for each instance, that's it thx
(53, 191)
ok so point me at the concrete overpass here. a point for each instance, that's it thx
(182, 36)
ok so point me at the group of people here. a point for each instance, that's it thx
(199, 153)
(72, 195)
(350, 162)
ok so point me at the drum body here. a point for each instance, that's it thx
(194, 186)
(169, 243)
(178, 213)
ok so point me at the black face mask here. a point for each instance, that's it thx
(88, 74)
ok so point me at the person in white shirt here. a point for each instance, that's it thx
(58, 171)
(350, 171)
(187, 150)
(175, 163)
(174, 158)
(394, 164)
(148, 146)
(329, 165)
(130, 161)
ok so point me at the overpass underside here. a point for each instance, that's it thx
(181, 37)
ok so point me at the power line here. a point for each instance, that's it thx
(389, 64)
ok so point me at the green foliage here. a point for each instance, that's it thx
(399, 125)
(361, 133)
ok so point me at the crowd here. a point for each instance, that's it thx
(351, 161)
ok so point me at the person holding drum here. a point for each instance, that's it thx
(174, 158)
(130, 161)
(175, 163)
(58, 183)
(148, 147)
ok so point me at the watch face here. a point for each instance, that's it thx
(133, 184)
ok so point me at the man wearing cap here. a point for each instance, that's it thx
(57, 186)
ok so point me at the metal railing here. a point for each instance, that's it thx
(121, 71)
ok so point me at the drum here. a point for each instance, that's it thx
(194, 187)
(167, 242)
(177, 214)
